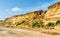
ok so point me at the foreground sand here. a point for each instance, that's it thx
(8, 32)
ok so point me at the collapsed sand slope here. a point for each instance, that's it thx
(8, 32)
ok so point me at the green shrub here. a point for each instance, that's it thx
(57, 22)
(20, 23)
(37, 24)
(50, 24)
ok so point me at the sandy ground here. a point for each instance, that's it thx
(8, 32)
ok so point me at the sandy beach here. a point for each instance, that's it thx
(9, 32)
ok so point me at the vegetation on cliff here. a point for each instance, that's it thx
(36, 19)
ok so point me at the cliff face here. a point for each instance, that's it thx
(25, 19)
(36, 18)
(53, 13)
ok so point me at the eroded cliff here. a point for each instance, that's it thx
(37, 19)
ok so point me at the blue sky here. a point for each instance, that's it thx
(10, 8)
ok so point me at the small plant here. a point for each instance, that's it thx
(37, 24)
(57, 22)
(50, 24)
(20, 23)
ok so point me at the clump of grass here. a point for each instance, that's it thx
(37, 24)
(20, 23)
(50, 25)
(57, 22)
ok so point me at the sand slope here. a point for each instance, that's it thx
(8, 32)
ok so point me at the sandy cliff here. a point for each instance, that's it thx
(36, 19)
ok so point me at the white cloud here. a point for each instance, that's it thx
(1, 17)
(16, 9)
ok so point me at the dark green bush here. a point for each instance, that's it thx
(20, 23)
(57, 22)
(50, 24)
(37, 24)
